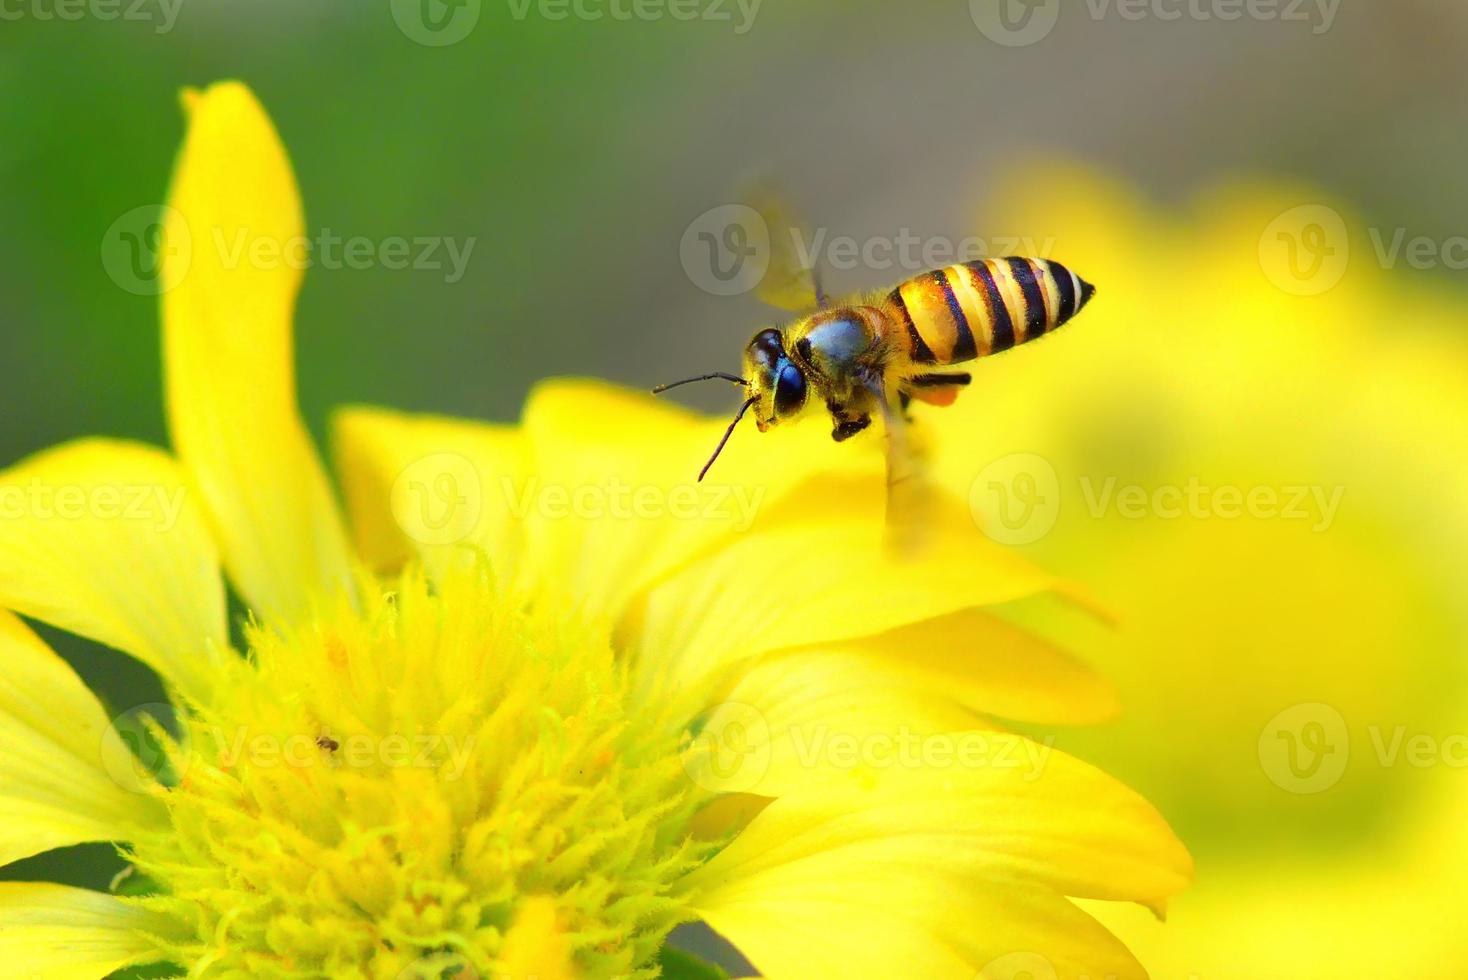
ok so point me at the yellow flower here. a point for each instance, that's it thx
(1288, 575)
(547, 700)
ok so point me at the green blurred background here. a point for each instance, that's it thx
(575, 153)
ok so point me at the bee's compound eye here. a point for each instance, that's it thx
(789, 390)
(766, 350)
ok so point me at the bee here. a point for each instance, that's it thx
(874, 354)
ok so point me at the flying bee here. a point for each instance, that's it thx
(874, 354)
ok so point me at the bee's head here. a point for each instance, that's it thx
(776, 383)
(773, 383)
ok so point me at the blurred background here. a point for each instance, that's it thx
(1270, 197)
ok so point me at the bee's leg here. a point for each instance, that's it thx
(846, 423)
(846, 428)
(936, 389)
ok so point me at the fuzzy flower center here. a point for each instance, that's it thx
(386, 793)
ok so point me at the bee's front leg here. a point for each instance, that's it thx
(846, 423)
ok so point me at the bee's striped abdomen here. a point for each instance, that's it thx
(978, 308)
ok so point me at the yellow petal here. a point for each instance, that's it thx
(821, 716)
(535, 945)
(777, 589)
(435, 487)
(992, 666)
(107, 540)
(63, 933)
(842, 920)
(615, 503)
(58, 772)
(909, 697)
(229, 362)
(1038, 818)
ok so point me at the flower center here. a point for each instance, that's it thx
(381, 794)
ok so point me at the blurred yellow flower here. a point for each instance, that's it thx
(555, 701)
(1253, 451)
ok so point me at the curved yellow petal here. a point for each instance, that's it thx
(435, 487)
(863, 923)
(106, 539)
(992, 666)
(228, 356)
(55, 778)
(1037, 819)
(64, 933)
(808, 717)
(803, 584)
(909, 697)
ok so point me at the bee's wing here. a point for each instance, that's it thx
(909, 494)
(792, 281)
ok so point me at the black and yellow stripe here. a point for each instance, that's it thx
(979, 308)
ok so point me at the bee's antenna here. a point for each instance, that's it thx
(727, 433)
(716, 376)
